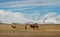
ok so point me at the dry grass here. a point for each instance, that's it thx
(19, 31)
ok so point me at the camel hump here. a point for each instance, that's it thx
(13, 26)
(36, 24)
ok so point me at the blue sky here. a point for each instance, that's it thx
(41, 7)
(31, 5)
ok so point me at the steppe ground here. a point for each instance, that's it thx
(45, 30)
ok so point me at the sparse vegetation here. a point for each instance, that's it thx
(47, 30)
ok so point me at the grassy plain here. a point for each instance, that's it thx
(45, 30)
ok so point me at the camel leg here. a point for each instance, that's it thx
(33, 28)
(37, 27)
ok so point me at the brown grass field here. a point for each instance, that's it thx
(47, 30)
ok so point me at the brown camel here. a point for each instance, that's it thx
(34, 26)
(14, 26)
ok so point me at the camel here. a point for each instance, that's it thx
(34, 26)
(14, 26)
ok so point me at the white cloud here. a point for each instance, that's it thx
(50, 18)
(50, 15)
(34, 16)
(13, 17)
(50, 21)
(17, 5)
(18, 17)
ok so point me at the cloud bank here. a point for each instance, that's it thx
(13, 17)
(19, 17)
